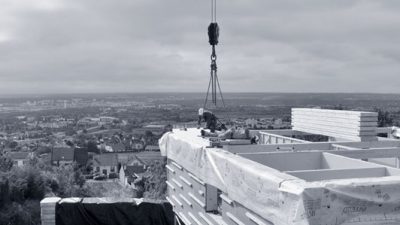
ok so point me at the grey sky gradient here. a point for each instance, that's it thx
(70, 46)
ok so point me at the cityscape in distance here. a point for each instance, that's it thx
(106, 145)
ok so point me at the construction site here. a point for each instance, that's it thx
(277, 177)
(351, 179)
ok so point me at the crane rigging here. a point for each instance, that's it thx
(213, 35)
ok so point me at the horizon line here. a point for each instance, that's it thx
(34, 95)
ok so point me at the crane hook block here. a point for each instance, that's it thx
(213, 33)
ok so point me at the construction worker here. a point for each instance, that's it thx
(209, 118)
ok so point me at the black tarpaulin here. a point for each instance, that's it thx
(116, 213)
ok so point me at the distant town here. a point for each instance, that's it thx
(109, 137)
(105, 133)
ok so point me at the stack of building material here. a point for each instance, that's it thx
(48, 210)
(339, 124)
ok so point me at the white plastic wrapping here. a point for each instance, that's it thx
(281, 198)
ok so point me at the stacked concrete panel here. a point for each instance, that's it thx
(339, 124)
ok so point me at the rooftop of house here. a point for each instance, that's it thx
(118, 147)
(81, 156)
(62, 154)
(105, 160)
(135, 160)
(132, 170)
(18, 155)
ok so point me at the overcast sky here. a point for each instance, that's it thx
(70, 46)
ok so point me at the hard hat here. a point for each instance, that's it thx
(201, 111)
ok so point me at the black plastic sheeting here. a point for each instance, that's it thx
(120, 213)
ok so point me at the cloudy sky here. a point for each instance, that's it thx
(70, 46)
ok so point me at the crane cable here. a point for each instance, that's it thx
(213, 11)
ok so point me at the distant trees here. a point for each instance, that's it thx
(384, 118)
(153, 185)
(339, 107)
(21, 189)
(92, 147)
(5, 163)
(13, 144)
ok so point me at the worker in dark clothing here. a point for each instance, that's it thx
(209, 118)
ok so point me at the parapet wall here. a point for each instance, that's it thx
(110, 211)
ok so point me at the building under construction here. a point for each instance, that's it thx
(353, 179)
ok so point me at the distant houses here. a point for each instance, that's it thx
(68, 155)
(62, 156)
(129, 172)
(97, 121)
(105, 164)
(125, 166)
(20, 158)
